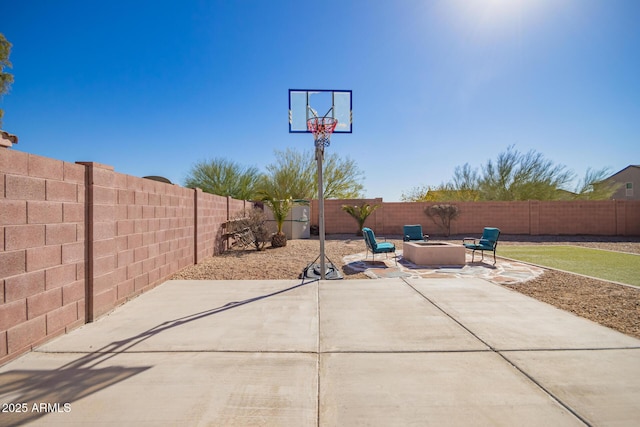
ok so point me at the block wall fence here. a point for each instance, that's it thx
(78, 239)
(596, 218)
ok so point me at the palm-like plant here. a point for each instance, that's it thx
(360, 213)
(275, 191)
(280, 209)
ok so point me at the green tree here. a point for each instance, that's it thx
(512, 176)
(342, 178)
(465, 184)
(416, 194)
(5, 78)
(522, 176)
(462, 188)
(360, 214)
(295, 174)
(595, 186)
(291, 175)
(224, 178)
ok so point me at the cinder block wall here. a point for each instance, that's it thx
(76, 240)
(509, 217)
(628, 218)
(212, 212)
(604, 218)
(42, 250)
(140, 232)
(338, 221)
(234, 208)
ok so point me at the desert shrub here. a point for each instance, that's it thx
(256, 221)
(442, 215)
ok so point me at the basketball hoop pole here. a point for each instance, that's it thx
(319, 156)
(322, 128)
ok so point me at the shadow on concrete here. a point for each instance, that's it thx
(27, 395)
(36, 393)
(484, 264)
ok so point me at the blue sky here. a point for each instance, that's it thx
(151, 87)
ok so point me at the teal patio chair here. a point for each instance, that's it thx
(413, 232)
(375, 247)
(488, 242)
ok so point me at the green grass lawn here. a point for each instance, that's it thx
(616, 266)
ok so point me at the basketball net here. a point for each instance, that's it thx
(322, 128)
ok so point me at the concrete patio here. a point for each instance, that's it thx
(400, 351)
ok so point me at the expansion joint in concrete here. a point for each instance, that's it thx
(501, 355)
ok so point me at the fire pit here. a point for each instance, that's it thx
(433, 253)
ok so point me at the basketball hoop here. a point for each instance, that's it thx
(322, 128)
(304, 105)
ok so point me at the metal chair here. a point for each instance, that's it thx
(413, 232)
(375, 247)
(488, 242)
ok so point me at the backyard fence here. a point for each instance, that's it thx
(78, 239)
(533, 217)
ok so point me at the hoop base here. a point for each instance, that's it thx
(314, 270)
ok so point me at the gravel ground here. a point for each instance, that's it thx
(612, 305)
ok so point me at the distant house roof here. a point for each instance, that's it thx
(622, 170)
(10, 139)
(158, 178)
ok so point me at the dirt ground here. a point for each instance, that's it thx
(609, 304)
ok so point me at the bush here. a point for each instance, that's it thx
(442, 215)
(256, 221)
